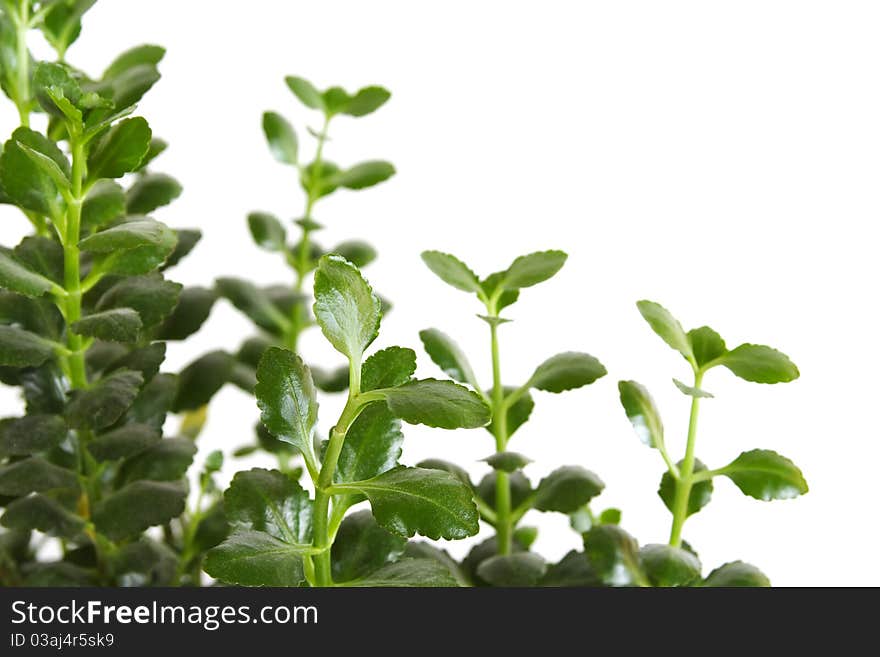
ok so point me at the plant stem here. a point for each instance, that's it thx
(686, 473)
(303, 256)
(503, 524)
(22, 100)
(72, 280)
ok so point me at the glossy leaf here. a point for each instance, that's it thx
(117, 325)
(665, 565)
(701, 491)
(446, 466)
(372, 445)
(22, 436)
(760, 364)
(736, 574)
(20, 348)
(408, 573)
(363, 547)
(34, 475)
(388, 368)
(566, 489)
(104, 402)
(23, 180)
(120, 150)
(131, 235)
(706, 345)
(642, 413)
(614, 555)
(104, 203)
(514, 570)
(269, 501)
(424, 550)
(150, 192)
(44, 514)
(434, 403)
(267, 231)
(532, 269)
(432, 503)
(667, 327)
(451, 271)
(448, 356)
(567, 371)
(345, 307)
(766, 475)
(281, 137)
(249, 558)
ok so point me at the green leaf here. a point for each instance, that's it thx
(453, 469)
(42, 255)
(532, 269)
(330, 380)
(760, 364)
(135, 247)
(255, 559)
(306, 92)
(701, 491)
(573, 570)
(154, 401)
(104, 203)
(518, 413)
(49, 167)
(267, 231)
(22, 436)
(147, 360)
(372, 445)
(34, 475)
(271, 502)
(610, 517)
(492, 288)
(452, 271)
(14, 276)
(191, 312)
(186, 242)
(145, 55)
(20, 348)
(408, 573)
(281, 137)
(124, 442)
(690, 391)
(120, 150)
(366, 101)
(253, 302)
(388, 368)
(145, 563)
(287, 398)
(515, 570)
(167, 460)
(667, 327)
(706, 345)
(614, 555)
(434, 403)
(335, 99)
(150, 192)
(57, 91)
(345, 307)
(508, 461)
(665, 565)
(412, 500)
(448, 356)
(151, 296)
(363, 547)
(202, 379)
(104, 402)
(138, 506)
(424, 550)
(736, 574)
(319, 177)
(520, 489)
(63, 23)
(360, 254)
(567, 371)
(765, 475)
(642, 413)
(117, 325)
(363, 175)
(26, 182)
(44, 514)
(567, 489)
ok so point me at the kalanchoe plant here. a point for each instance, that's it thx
(686, 486)
(83, 306)
(281, 312)
(282, 536)
(506, 495)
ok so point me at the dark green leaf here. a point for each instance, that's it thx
(388, 368)
(532, 269)
(362, 547)
(186, 242)
(760, 364)
(138, 506)
(16, 277)
(201, 379)
(434, 403)
(23, 180)
(104, 203)
(448, 356)
(117, 325)
(452, 271)
(372, 445)
(360, 254)
(192, 310)
(39, 316)
(642, 413)
(63, 23)
(305, 91)
(271, 502)
(701, 491)
(518, 569)
(281, 137)
(44, 514)
(520, 488)
(736, 574)
(150, 192)
(366, 101)
(253, 302)
(409, 573)
(256, 559)
(267, 231)
(59, 574)
(667, 327)
(665, 565)
(167, 460)
(22, 436)
(508, 461)
(517, 413)
(132, 235)
(412, 500)
(43, 255)
(120, 150)
(145, 563)
(34, 475)
(766, 475)
(151, 296)
(104, 402)
(614, 555)
(57, 91)
(573, 570)
(567, 371)
(478, 554)
(145, 55)
(446, 466)
(157, 147)
(326, 380)
(124, 442)
(287, 398)
(20, 348)
(706, 345)
(363, 175)
(154, 401)
(566, 489)
(424, 550)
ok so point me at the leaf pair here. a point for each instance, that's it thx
(337, 100)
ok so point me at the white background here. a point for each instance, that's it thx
(721, 158)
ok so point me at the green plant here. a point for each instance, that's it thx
(506, 494)
(282, 536)
(83, 309)
(281, 312)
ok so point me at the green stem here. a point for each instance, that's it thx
(304, 255)
(72, 281)
(23, 94)
(686, 473)
(503, 522)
